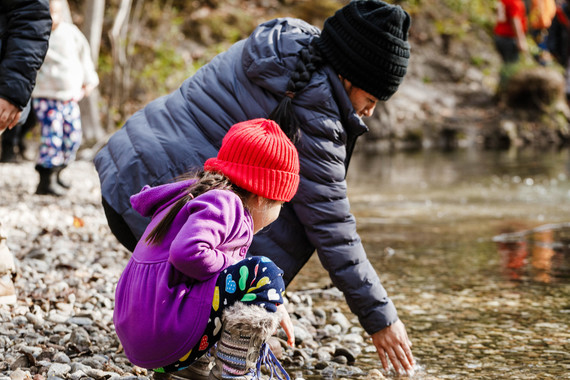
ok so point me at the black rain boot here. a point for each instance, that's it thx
(9, 145)
(8, 153)
(66, 185)
(48, 182)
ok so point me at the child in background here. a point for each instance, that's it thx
(67, 75)
(189, 284)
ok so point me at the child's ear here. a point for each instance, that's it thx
(260, 201)
(255, 201)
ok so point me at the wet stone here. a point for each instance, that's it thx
(331, 330)
(340, 320)
(346, 353)
(340, 359)
(353, 338)
(320, 316)
(323, 355)
(322, 364)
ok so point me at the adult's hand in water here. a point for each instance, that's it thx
(392, 343)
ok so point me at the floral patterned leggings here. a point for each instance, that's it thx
(254, 281)
(61, 131)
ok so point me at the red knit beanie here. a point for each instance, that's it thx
(257, 156)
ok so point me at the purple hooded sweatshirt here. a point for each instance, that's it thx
(164, 296)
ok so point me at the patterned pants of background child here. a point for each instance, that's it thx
(253, 281)
(61, 131)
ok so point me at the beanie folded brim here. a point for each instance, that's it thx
(272, 184)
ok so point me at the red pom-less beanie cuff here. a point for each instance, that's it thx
(257, 156)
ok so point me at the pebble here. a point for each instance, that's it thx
(58, 370)
(68, 264)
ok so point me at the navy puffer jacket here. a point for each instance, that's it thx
(25, 26)
(178, 132)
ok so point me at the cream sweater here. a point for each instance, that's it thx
(67, 66)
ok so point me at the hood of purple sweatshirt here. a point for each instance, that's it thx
(151, 200)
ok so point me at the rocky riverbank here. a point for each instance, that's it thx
(67, 266)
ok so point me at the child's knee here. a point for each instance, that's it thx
(264, 261)
(266, 267)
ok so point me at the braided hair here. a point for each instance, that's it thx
(310, 61)
(206, 180)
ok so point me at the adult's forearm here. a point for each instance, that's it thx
(24, 46)
(365, 295)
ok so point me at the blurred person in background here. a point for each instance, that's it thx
(559, 41)
(67, 76)
(510, 30)
(25, 27)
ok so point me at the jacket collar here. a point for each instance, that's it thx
(352, 123)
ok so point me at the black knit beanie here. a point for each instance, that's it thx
(366, 42)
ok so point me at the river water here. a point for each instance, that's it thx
(473, 248)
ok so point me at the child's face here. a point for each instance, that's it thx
(263, 211)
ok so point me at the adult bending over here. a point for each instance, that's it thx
(317, 86)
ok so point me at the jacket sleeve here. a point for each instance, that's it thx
(90, 78)
(24, 45)
(323, 208)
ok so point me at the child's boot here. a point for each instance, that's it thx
(8, 153)
(48, 182)
(199, 370)
(66, 185)
(245, 330)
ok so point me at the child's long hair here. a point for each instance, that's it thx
(206, 180)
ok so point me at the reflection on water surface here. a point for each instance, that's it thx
(541, 254)
(473, 248)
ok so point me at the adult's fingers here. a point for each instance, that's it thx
(397, 353)
(15, 120)
(8, 119)
(403, 359)
(394, 360)
(409, 355)
(4, 122)
(9, 114)
(382, 354)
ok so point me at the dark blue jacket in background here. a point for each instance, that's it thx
(178, 132)
(25, 26)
